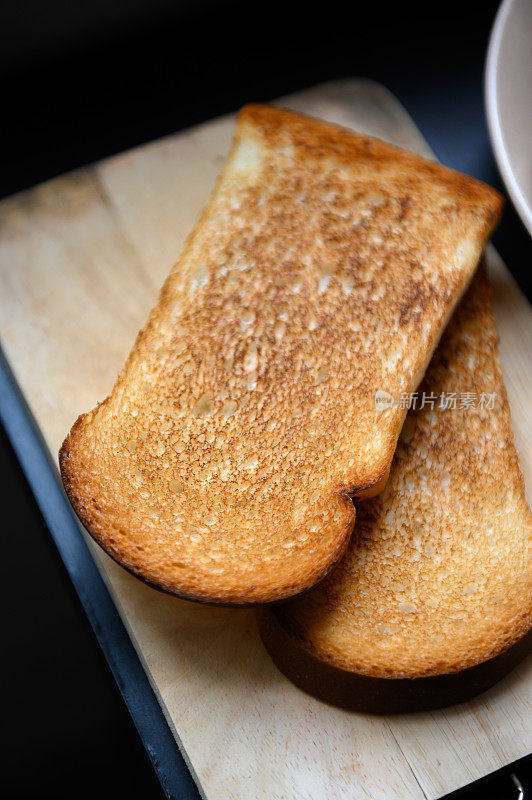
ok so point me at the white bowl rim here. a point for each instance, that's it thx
(494, 123)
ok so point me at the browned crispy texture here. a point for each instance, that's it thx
(323, 269)
(438, 581)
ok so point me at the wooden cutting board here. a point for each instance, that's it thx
(81, 262)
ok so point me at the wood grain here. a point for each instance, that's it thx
(81, 262)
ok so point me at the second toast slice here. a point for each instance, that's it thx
(432, 602)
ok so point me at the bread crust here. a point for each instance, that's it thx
(221, 466)
(433, 602)
(366, 693)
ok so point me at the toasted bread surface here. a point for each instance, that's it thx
(438, 579)
(323, 270)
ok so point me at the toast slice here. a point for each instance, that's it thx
(324, 268)
(432, 602)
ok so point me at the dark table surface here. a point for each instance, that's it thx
(85, 80)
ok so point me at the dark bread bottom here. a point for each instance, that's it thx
(381, 695)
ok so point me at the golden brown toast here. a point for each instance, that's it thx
(324, 268)
(438, 580)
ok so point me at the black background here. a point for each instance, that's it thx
(80, 81)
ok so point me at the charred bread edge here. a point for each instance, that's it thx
(365, 693)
